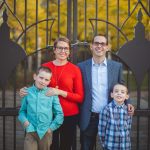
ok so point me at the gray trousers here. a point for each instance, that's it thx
(33, 142)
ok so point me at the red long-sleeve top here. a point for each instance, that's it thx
(68, 78)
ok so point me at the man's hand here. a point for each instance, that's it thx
(26, 123)
(131, 109)
(23, 92)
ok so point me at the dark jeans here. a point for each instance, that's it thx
(64, 138)
(88, 137)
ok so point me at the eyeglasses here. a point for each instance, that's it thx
(60, 49)
(98, 43)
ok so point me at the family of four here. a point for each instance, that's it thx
(64, 95)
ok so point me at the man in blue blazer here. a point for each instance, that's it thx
(99, 76)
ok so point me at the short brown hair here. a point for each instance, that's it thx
(43, 68)
(100, 35)
(63, 39)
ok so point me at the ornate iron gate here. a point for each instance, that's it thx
(28, 42)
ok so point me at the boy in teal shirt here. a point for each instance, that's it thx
(40, 114)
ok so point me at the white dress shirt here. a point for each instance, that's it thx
(99, 86)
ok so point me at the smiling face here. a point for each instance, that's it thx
(99, 46)
(120, 93)
(62, 50)
(42, 79)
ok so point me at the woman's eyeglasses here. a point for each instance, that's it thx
(60, 49)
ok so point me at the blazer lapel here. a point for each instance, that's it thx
(88, 69)
(109, 74)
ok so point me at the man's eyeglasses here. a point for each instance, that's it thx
(98, 43)
(60, 49)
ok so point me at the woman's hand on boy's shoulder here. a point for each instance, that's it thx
(56, 91)
(23, 92)
(52, 92)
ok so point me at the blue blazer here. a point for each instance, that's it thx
(114, 76)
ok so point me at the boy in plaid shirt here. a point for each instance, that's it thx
(115, 122)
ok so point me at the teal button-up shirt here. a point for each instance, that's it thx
(38, 109)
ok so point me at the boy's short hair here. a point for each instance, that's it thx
(122, 85)
(43, 68)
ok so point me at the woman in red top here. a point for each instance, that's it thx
(66, 82)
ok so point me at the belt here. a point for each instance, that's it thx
(94, 114)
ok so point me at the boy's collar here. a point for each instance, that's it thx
(37, 89)
(115, 104)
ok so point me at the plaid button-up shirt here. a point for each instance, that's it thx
(114, 127)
